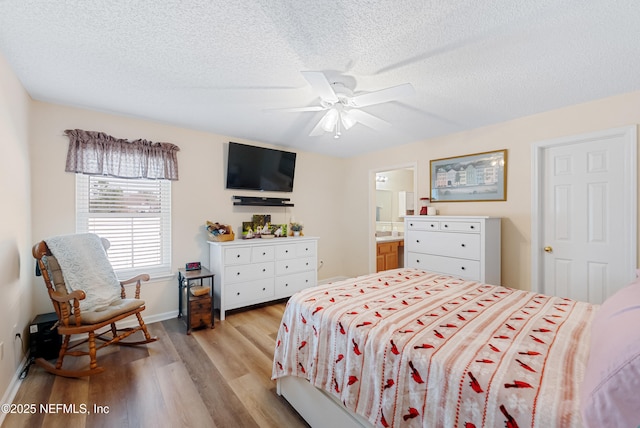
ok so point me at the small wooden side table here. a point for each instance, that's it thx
(198, 309)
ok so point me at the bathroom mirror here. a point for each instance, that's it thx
(394, 195)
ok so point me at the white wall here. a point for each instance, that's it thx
(516, 136)
(16, 262)
(198, 196)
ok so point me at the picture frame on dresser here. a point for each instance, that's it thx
(474, 177)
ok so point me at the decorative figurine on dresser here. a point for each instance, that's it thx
(252, 271)
(463, 246)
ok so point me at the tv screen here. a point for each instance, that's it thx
(259, 168)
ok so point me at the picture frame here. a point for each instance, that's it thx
(468, 178)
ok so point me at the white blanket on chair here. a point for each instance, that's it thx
(85, 266)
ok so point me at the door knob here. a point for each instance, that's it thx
(548, 250)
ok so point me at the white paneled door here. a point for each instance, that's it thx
(584, 233)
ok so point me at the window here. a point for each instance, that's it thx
(134, 215)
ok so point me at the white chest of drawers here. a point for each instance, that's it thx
(254, 271)
(464, 246)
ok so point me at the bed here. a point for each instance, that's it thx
(412, 348)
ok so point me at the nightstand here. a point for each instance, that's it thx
(197, 309)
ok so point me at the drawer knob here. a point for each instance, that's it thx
(417, 261)
(473, 227)
(446, 225)
(410, 224)
(286, 285)
(464, 245)
(263, 289)
(433, 225)
(264, 254)
(264, 270)
(237, 256)
(307, 263)
(286, 251)
(306, 280)
(238, 293)
(237, 273)
(463, 268)
(417, 241)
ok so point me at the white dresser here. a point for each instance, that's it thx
(464, 246)
(254, 271)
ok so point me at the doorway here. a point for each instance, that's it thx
(584, 215)
(392, 196)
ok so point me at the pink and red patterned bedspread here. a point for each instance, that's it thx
(413, 348)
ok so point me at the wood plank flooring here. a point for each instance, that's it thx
(217, 377)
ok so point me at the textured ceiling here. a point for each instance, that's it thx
(226, 67)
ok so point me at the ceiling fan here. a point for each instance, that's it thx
(343, 107)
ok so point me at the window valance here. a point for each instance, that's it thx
(96, 153)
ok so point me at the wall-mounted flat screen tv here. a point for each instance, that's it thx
(260, 168)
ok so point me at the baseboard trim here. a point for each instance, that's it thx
(13, 387)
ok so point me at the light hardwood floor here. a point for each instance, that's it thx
(217, 377)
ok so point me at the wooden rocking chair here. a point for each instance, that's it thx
(72, 321)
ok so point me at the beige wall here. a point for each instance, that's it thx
(517, 136)
(16, 262)
(198, 196)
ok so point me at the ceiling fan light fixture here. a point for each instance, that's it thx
(329, 120)
(347, 120)
(343, 107)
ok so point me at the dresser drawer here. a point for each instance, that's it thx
(460, 245)
(284, 267)
(287, 285)
(248, 272)
(262, 253)
(460, 226)
(306, 249)
(468, 269)
(286, 251)
(246, 292)
(237, 255)
(423, 225)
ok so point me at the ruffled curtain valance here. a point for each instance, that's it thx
(96, 153)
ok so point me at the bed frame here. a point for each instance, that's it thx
(317, 407)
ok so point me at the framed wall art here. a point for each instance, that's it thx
(475, 177)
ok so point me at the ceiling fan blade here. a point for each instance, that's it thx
(296, 109)
(369, 120)
(320, 85)
(382, 96)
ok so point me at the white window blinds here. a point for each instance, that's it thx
(134, 215)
